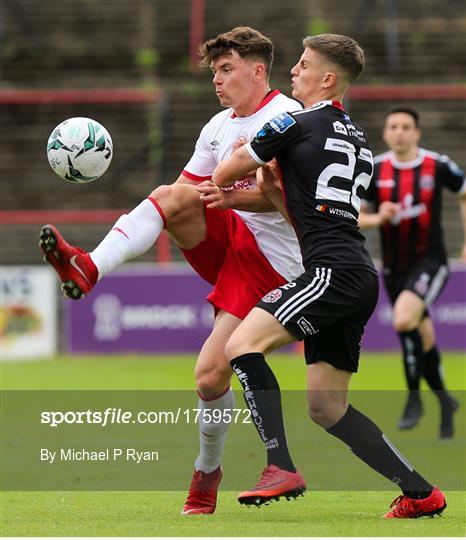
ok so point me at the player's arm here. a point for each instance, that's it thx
(453, 177)
(249, 200)
(236, 166)
(269, 183)
(386, 212)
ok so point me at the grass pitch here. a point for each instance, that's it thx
(157, 513)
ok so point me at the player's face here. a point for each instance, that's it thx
(400, 133)
(235, 80)
(307, 77)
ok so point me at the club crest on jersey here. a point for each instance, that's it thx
(427, 181)
(272, 296)
(340, 128)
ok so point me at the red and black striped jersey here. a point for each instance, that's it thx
(416, 231)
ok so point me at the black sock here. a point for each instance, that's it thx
(411, 344)
(262, 396)
(371, 445)
(431, 369)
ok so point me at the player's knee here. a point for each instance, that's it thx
(213, 382)
(404, 322)
(325, 412)
(319, 414)
(176, 200)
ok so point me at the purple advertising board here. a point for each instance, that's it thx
(149, 309)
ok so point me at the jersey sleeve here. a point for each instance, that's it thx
(274, 136)
(370, 195)
(451, 176)
(202, 163)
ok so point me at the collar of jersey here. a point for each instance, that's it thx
(267, 99)
(408, 164)
(331, 102)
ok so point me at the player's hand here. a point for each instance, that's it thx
(268, 178)
(213, 196)
(387, 211)
(241, 141)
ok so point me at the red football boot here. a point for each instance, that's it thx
(405, 508)
(202, 496)
(273, 484)
(77, 272)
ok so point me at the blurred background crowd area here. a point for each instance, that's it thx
(132, 65)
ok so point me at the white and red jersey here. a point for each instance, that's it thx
(274, 235)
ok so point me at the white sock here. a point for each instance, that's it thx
(212, 435)
(132, 235)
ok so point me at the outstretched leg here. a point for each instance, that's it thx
(177, 208)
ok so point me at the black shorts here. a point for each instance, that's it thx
(328, 309)
(426, 279)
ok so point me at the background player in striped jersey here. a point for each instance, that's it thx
(326, 167)
(407, 193)
(243, 252)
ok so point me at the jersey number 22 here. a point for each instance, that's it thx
(340, 170)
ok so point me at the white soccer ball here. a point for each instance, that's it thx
(80, 150)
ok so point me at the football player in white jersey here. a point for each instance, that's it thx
(235, 239)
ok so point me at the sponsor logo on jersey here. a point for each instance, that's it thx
(427, 181)
(409, 210)
(339, 128)
(246, 183)
(335, 211)
(214, 144)
(282, 122)
(272, 296)
(355, 132)
(306, 327)
(388, 183)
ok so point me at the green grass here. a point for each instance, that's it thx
(156, 513)
(376, 372)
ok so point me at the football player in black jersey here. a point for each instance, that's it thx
(326, 167)
(407, 193)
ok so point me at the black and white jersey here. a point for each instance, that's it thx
(326, 167)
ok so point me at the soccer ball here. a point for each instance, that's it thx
(79, 150)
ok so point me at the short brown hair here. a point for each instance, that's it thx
(406, 109)
(246, 41)
(343, 51)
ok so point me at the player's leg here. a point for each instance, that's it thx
(300, 309)
(433, 374)
(213, 375)
(176, 207)
(328, 382)
(328, 407)
(408, 310)
(258, 334)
